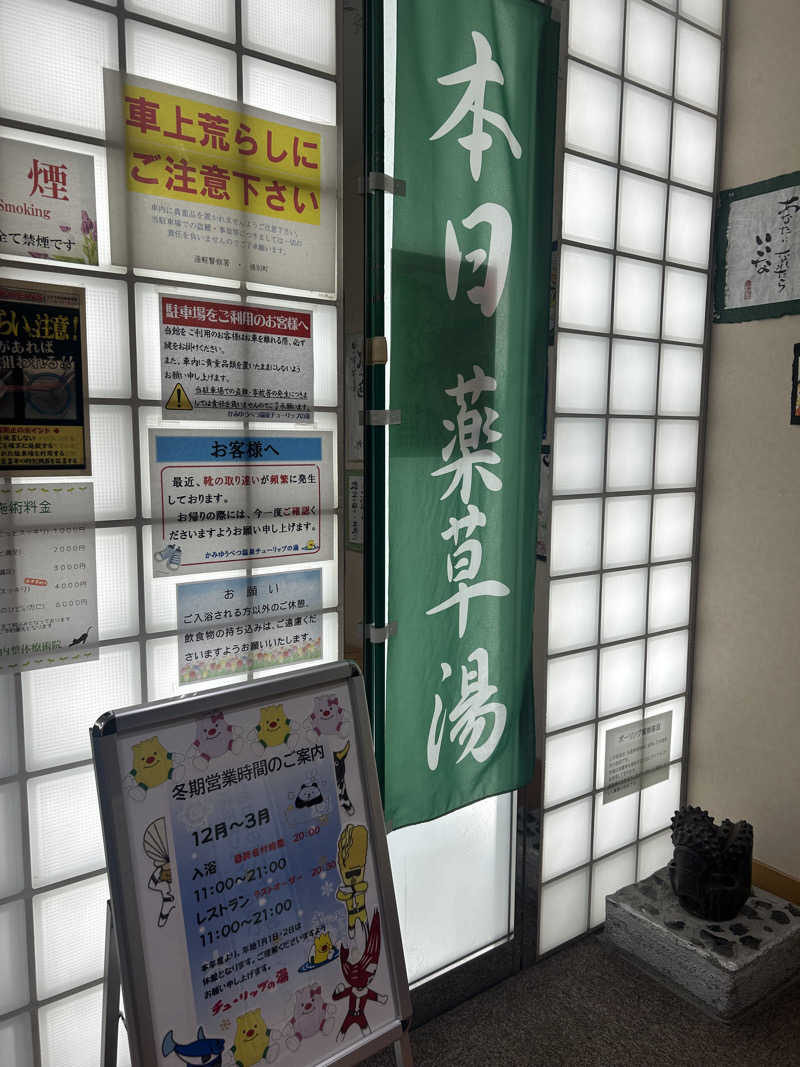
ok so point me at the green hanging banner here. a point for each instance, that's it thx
(475, 118)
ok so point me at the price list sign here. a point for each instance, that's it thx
(256, 875)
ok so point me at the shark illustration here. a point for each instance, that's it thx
(204, 1052)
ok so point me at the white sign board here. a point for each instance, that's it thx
(763, 254)
(236, 361)
(249, 876)
(637, 756)
(48, 575)
(221, 501)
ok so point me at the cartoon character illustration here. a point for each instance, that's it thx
(80, 639)
(215, 737)
(252, 1042)
(326, 718)
(309, 802)
(358, 977)
(152, 766)
(341, 786)
(205, 1051)
(312, 1015)
(352, 860)
(323, 951)
(273, 728)
(155, 847)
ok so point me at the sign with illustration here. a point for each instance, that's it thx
(48, 580)
(256, 919)
(758, 250)
(224, 501)
(231, 625)
(470, 289)
(201, 185)
(637, 756)
(44, 409)
(236, 361)
(47, 204)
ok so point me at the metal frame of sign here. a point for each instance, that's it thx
(125, 954)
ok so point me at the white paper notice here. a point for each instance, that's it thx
(47, 204)
(48, 586)
(355, 510)
(763, 255)
(637, 755)
(236, 361)
(221, 502)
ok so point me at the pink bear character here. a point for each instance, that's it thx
(327, 716)
(310, 1016)
(214, 738)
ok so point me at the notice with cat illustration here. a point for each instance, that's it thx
(48, 581)
(263, 921)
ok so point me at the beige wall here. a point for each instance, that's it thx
(744, 759)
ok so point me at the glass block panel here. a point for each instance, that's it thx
(645, 131)
(303, 31)
(634, 375)
(608, 876)
(563, 910)
(13, 957)
(671, 4)
(581, 374)
(573, 613)
(707, 13)
(640, 226)
(214, 17)
(162, 672)
(8, 727)
(623, 607)
(592, 119)
(566, 838)
(614, 823)
(595, 32)
(66, 839)
(578, 447)
(689, 227)
(16, 1046)
(588, 207)
(637, 297)
(289, 92)
(659, 802)
(621, 677)
(452, 879)
(649, 46)
(112, 462)
(627, 531)
(68, 1027)
(670, 588)
(85, 691)
(37, 84)
(571, 689)
(667, 657)
(602, 729)
(681, 380)
(69, 927)
(684, 305)
(179, 60)
(694, 142)
(673, 526)
(654, 853)
(630, 454)
(697, 73)
(585, 290)
(676, 454)
(678, 708)
(12, 878)
(117, 588)
(575, 536)
(568, 765)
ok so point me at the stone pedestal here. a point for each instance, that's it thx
(725, 967)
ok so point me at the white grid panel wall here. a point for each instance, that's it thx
(52, 883)
(639, 166)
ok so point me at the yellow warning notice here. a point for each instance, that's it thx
(178, 400)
